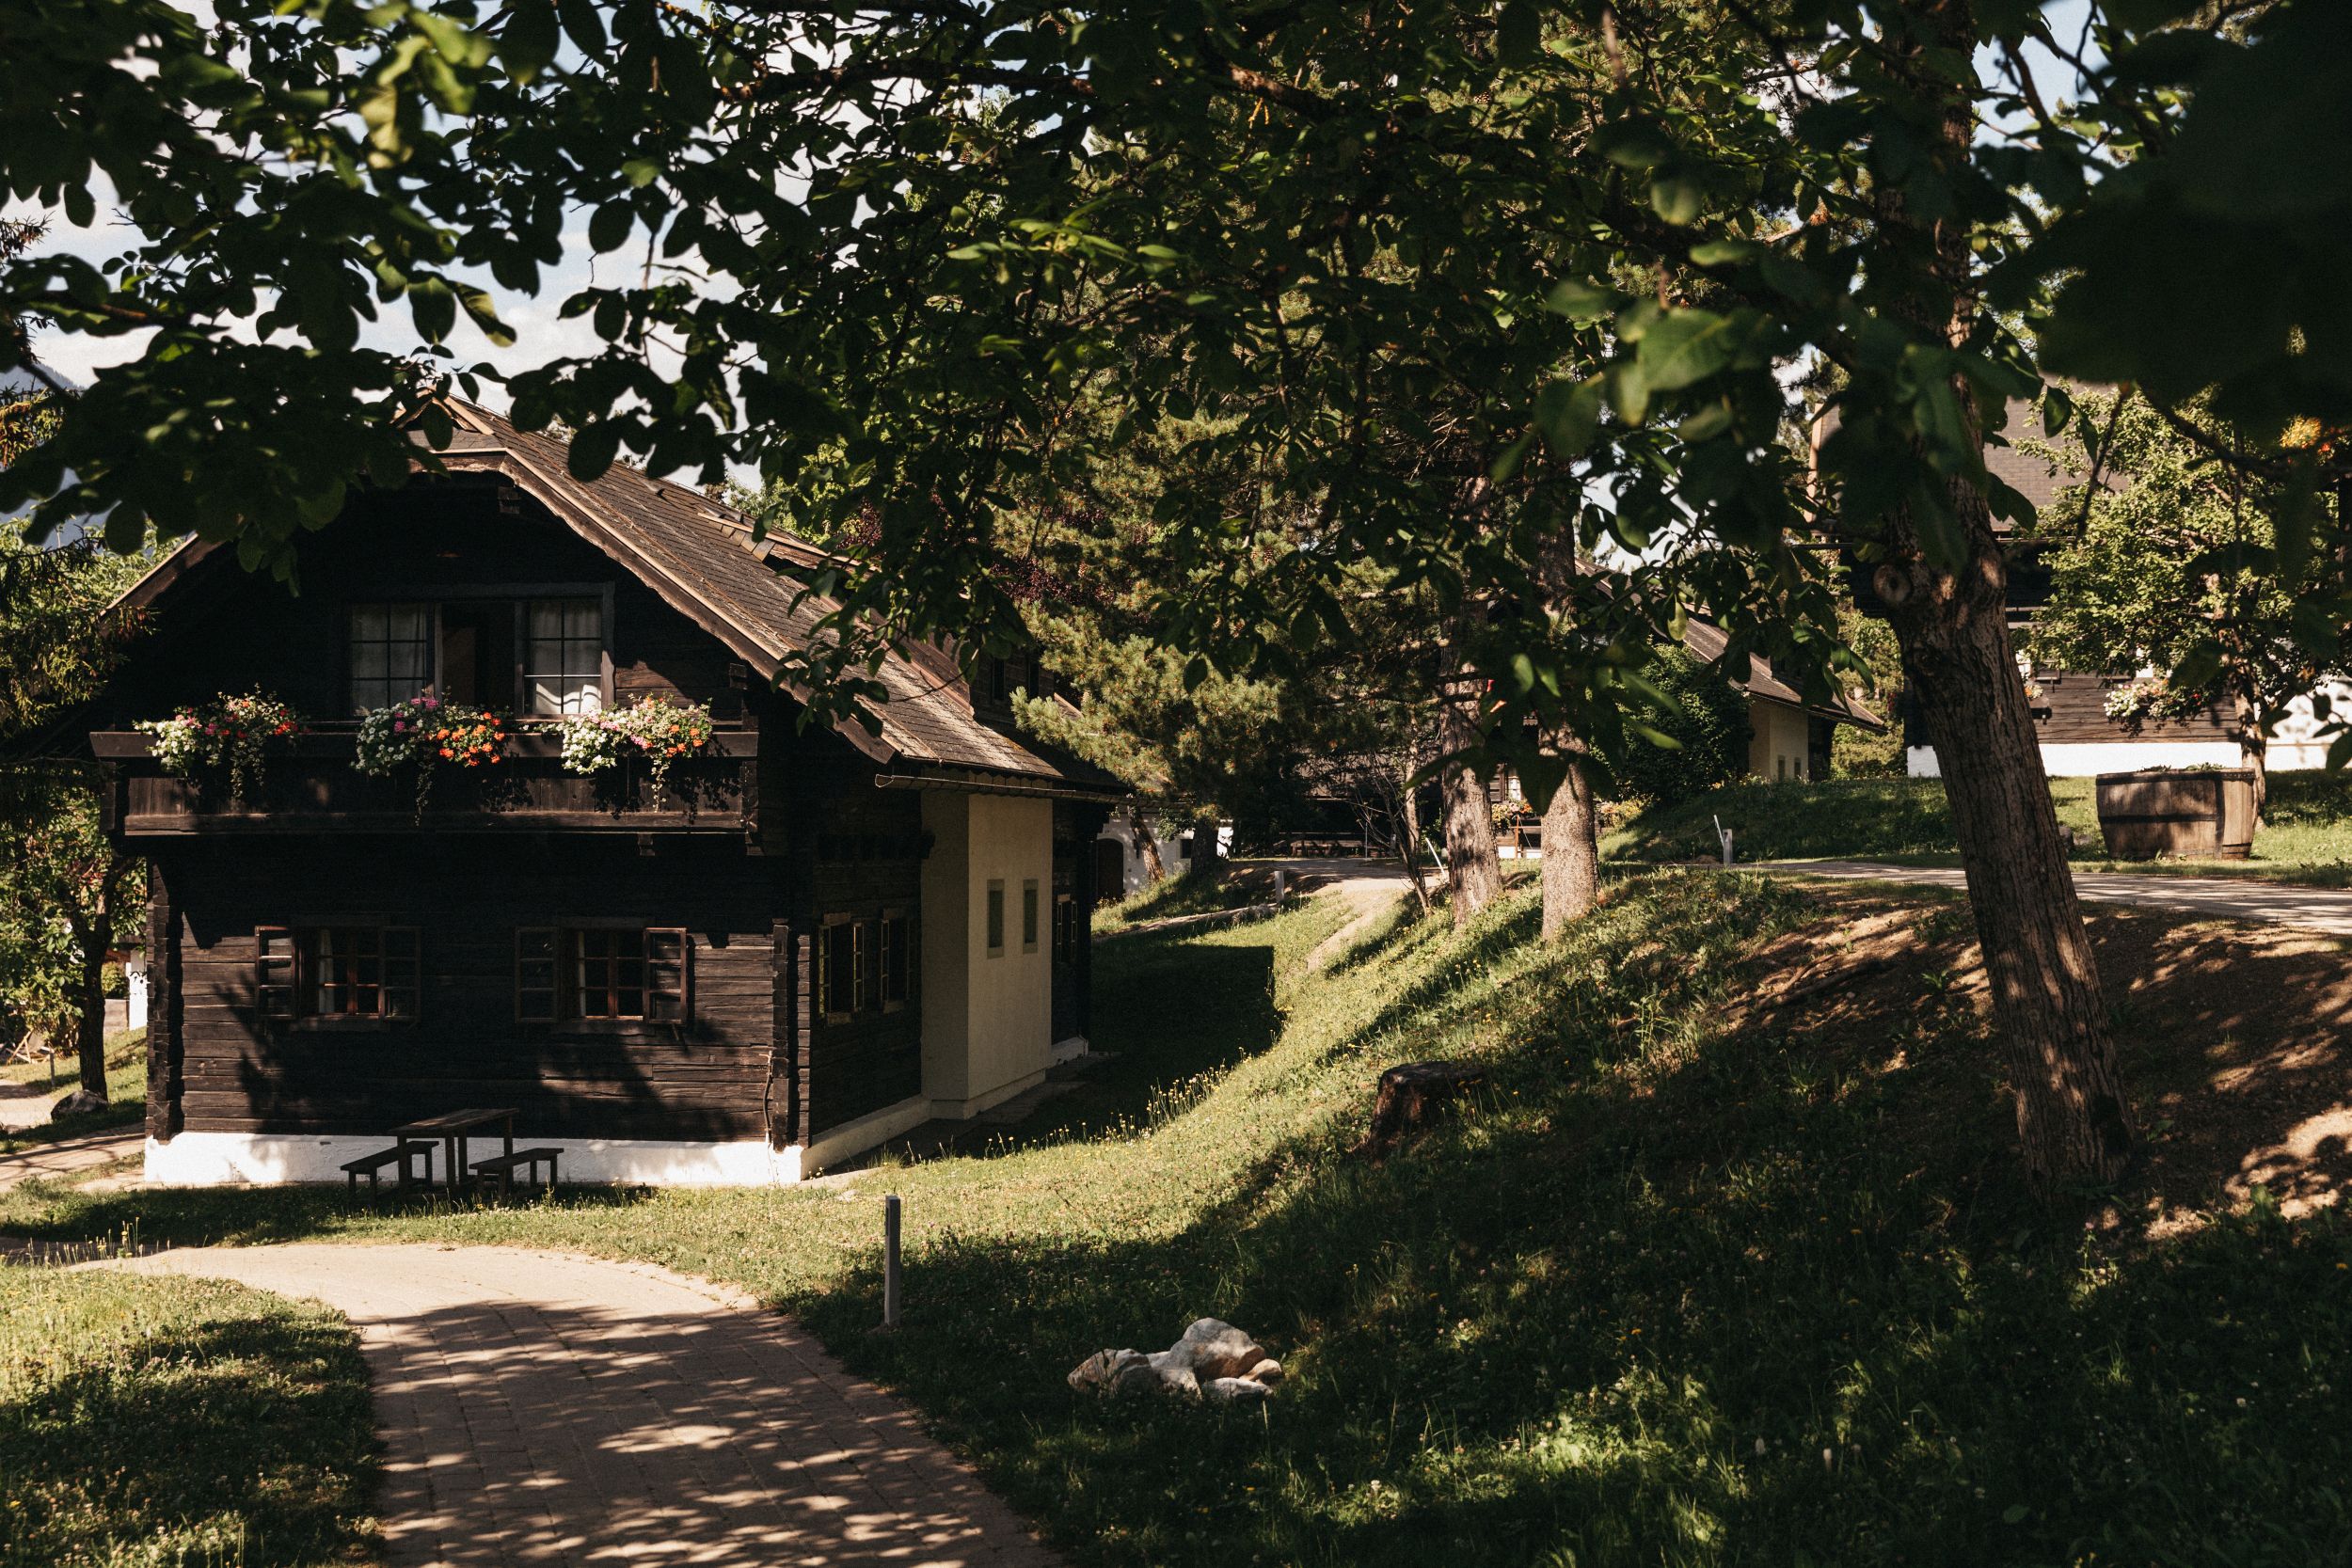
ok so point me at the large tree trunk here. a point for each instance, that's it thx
(1147, 845)
(1473, 871)
(1571, 860)
(2073, 1119)
(1571, 863)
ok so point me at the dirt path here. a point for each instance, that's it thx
(2310, 909)
(1369, 886)
(546, 1408)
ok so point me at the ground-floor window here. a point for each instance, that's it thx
(328, 973)
(602, 973)
(863, 964)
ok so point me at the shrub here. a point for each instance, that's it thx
(1708, 721)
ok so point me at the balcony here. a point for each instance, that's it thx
(310, 785)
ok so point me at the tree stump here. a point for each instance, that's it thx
(1410, 1098)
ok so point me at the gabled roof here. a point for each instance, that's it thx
(702, 558)
(1706, 641)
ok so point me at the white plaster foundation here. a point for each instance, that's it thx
(2078, 760)
(274, 1158)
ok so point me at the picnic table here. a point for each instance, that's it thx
(452, 1128)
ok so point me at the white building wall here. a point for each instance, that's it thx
(1780, 741)
(987, 1013)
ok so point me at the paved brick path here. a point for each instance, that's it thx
(545, 1408)
(70, 1156)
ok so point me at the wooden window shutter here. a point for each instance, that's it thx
(534, 974)
(400, 971)
(273, 973)
(669, 965)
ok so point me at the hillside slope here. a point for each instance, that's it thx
(1698, 1279)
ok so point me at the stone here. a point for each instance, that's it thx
(1156, 1373)
(1234, 1390)
(1214, 1349)
(81, 1102)
(1103, 1368)
(1268, 1371)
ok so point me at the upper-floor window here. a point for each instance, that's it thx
(347, 974)
(542, 656)
(391, 653)
(564, 671)
(864, 965)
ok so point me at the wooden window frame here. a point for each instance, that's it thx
(1032, 914)
(1065, 929)
(286, 979)
(425, 602)
(518, 597)
(992, 918)
(836, 934)
(894, 997)
(548, 959)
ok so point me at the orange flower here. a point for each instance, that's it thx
(445, 751)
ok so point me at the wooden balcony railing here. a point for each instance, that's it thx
(310, 784)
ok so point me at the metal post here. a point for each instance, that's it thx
(1723, 835)
(890, 1260)
(1281, 884)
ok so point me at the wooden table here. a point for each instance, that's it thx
(454, 1128)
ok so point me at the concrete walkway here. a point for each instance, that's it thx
(70, 1156)
(2223, 897)
(546, 1408)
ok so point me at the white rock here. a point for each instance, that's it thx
(1268, 1371)
(1214, 1349)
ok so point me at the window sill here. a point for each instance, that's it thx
(344, 1025)
(650, 1030)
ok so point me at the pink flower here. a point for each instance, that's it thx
(399, 725)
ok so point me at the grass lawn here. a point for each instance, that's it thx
(171, 1421)
(126, 1093)
(1694, 1281)
(1190, 894)
(2306, 835)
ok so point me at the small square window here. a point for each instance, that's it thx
(391, 654)
(1028, 916)
(898, 960)
(995, 919)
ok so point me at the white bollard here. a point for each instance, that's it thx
(1723, 835)
(890, 1260)
(1282, 885)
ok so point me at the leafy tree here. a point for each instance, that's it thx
(2172, 559)
(1461, 282)
(1704, 724)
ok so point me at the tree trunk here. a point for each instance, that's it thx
(2073, 1119)
(90, 1026)
(2253, 747)
(1147, 845)
(1571, 863)
(1472, 869)
(1408, 813)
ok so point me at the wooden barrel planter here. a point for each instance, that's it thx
(2204, 815)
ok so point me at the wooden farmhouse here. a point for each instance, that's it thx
(808, 940)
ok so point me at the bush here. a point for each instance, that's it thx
(112, 981)
(1709, 723)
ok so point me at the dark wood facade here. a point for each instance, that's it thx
(781, 835)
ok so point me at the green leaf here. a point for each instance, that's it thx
(610, 225)
(2198, 666)
(1677, 198)
(1635, 144)
(530, 39)
(1724, 253)
(592, 451)
(640, 172)
(1686, 346)
(1581, 301)
(1567, 414)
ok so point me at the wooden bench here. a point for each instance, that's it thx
(371, 1165)
(503, 1166)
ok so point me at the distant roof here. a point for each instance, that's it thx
(1706, 641)
(701, 557)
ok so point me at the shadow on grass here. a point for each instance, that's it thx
(233, 1438)
(1766, 1297)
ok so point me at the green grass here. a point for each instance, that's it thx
(1664, 1295)
(2306, 835)
(1191, 893)
(178, 1421)
(126, 1094)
